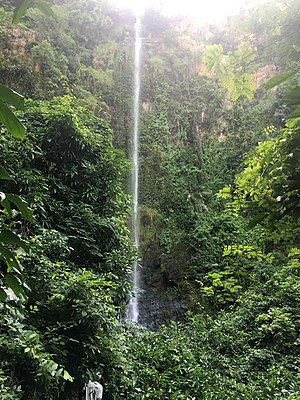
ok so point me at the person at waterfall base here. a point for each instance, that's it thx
(94, 389)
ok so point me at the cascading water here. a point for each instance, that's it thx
(133, 308)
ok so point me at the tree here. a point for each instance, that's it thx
(233, 70)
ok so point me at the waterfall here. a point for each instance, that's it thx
(133, 308)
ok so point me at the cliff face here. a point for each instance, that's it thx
(18, 70)
(185, 113)
(16, 43)
(85, 51)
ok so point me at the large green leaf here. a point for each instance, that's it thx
(278, 79)
(10, 260)
(295, 113)
(4, 174)
(11, 97)
(8, 237)
(22, 206)
(256, 220)
(293, 97)
(3, 295)
(11, 122)
(5, 204)
(45, 8)
(23, 5)
(20, 10)
(14, 283)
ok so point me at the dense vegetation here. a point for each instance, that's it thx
(219, 204)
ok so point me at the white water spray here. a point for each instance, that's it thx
(133, 308)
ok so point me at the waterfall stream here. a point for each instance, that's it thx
(133, 308)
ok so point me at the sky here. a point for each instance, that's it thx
(199, 9)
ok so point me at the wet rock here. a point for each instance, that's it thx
(156, 308)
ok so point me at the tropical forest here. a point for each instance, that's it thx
(149, 202)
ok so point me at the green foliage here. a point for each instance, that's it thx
(268, 185)
(23, 353)
(191, 144)
(11, 278)
(278, 79)
(10, 98)
(71, 180)
(51, 63)
(213, 59)
(65, 49)
(20, 10)
(78, 169)
(74, 312)
(75, 276)
(250, 351)
(239, 261)
(23, 5)
(233, 70)
(78, 267)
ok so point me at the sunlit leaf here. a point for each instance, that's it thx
(295, 113)
(11, 122)
(3, 295)
(8, 257)
(20, 10)
(67, 376)
(11, 97)
(4, 174)
(278, 79)
(8, 237)
(45, 8)
(21, 205)
(293, 97)
(14, 283)
(5, 204)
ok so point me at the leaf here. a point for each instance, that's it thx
(45, 8)
(256, 220)
(9, 258)
(278, 79)
(67, 376)
(20, 10)
(295, 113)
(53, 367)
(22, 206)
(3, 295)
(14, 283)
(293, 97)
(5, 204)
(2, 197)
(11, 122)
(8, 237)
(4, 174)
(11, 97)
